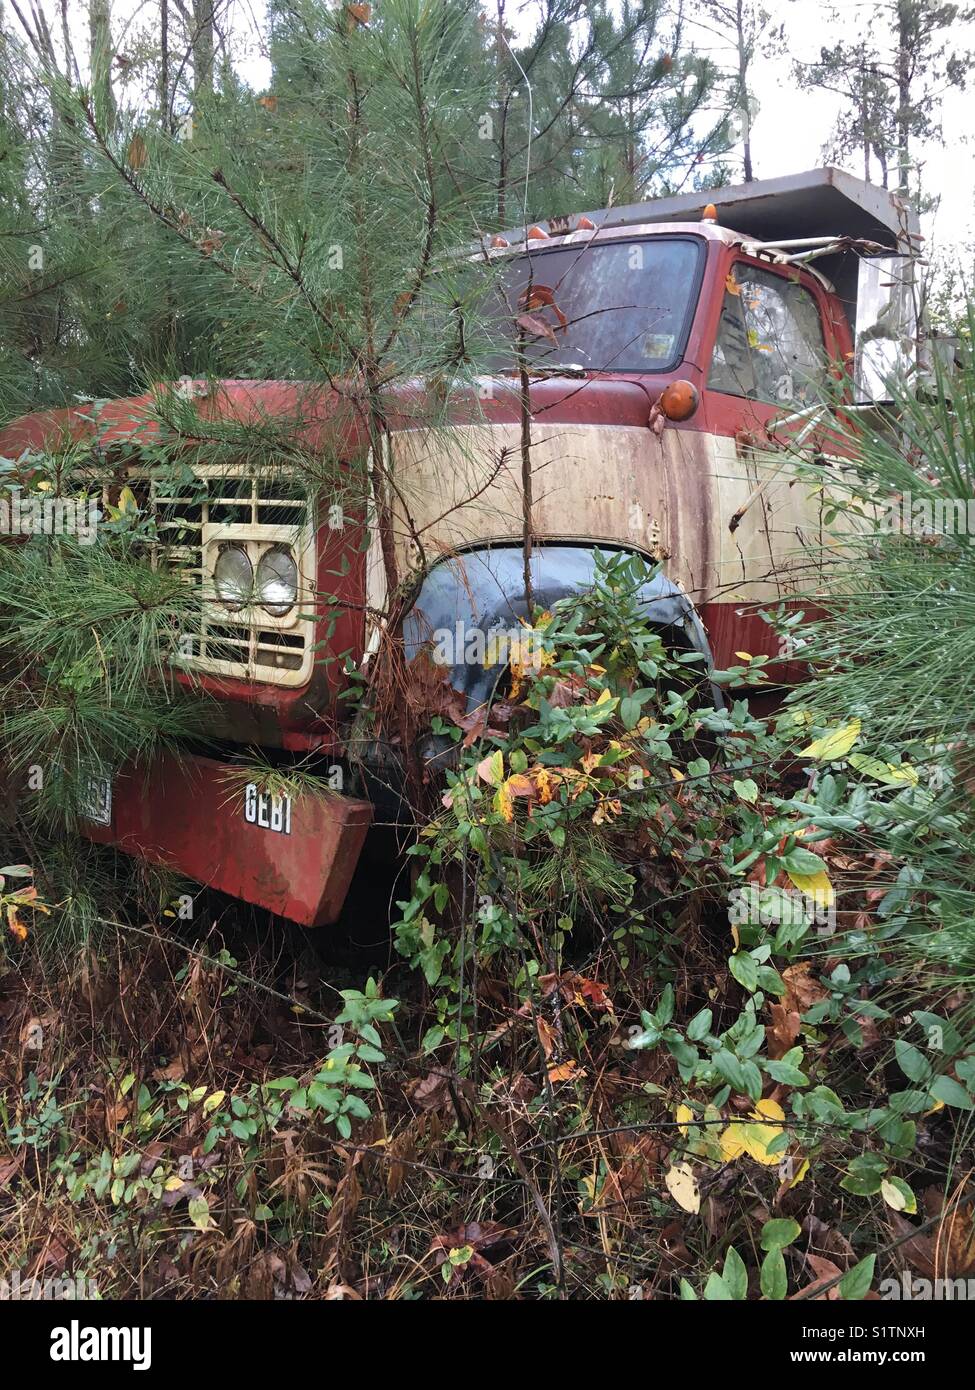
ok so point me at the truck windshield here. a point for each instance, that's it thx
(623, 306)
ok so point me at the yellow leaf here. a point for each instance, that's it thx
(504, 802)
(684, 1117)
(885, 772)
(544, 784)
(173, 1184)
(769, 1110)
(731, 1143)
(682, 1186)
(677, 776)
(126, 501)
(801, 1172)
(604, 695)
(835, 743)
(815, 886)
(213, 1102)
(754, 1139)
(744, 656)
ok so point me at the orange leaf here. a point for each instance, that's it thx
(565, 1071)
(17, 928)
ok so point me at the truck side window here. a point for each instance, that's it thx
(770, 341)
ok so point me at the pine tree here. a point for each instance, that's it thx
(892, 78)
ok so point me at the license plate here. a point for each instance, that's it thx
(266, 811)
(96, 800)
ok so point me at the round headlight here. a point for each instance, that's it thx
(233, 576)
(277, 581)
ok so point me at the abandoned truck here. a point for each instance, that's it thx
(689, 346)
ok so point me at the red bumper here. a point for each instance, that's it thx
(294, 856)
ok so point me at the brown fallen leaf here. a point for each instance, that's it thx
(947, 1251)
(825, 1271)
(802, 990)
(9, 1168)
(174, 1072)
(782, 1032)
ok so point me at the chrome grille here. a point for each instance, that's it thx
(250, 644)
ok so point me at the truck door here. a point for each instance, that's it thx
(773, 364)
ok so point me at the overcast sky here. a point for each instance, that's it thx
(791, 125)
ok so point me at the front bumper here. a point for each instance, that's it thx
(293, 856)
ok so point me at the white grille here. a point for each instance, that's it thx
(193, 520)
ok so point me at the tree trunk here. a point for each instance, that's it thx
(164, 64)
(904, 36)
(743, 93)
(101, 54)
(202, 49)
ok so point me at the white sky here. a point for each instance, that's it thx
(789, 130)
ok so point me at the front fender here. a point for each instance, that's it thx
(484, 591)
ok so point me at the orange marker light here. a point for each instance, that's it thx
(499, 241)
(537, 234)
(679, 400)
(585, 224)
(710, 213)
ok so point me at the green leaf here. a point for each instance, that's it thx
(898, 1195)
(700, 1026)
(747, 789)
(730, 1069)
(802, 861)
(785, 1074)
(665, 1009)
(912, 1063)
(946, 1088)
(744, 967)
(735, 1275)
(856, 1282)
(774, 1280)
(716, 1290)
(779, 1232)
(199, 1210)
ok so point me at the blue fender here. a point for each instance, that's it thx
(484, 590)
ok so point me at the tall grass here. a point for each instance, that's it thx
(896, 645)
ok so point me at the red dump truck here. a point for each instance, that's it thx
(693, 340)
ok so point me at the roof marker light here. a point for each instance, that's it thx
(710, 213)
(537, 234)
(499, 241)
(585, 224)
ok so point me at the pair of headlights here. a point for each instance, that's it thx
(274, 586)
